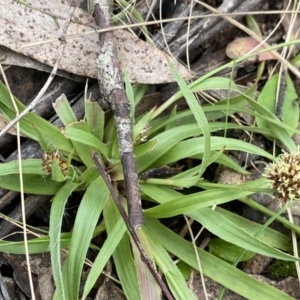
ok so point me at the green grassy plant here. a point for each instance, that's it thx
(160, 141)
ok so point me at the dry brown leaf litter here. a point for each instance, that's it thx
(22, 25)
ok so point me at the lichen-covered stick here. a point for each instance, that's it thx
(111, 84)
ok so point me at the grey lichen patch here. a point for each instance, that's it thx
(125, 147)
(125, 135)
(108, 73)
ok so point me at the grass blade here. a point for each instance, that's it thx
(122, 256)
(56, 216)
(212, 266)
(103, 256)
(87, 217)
(199, 116)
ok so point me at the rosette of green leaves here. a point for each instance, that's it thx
(159, 141)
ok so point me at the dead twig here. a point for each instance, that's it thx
(111, 86)
(132, 232)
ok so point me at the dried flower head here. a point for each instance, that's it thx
(48, 159)
(284, 176)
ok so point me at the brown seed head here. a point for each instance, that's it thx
(284, 176)
(47, 162)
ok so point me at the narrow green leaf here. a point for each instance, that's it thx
(289, 110)
(199, 116)
(148, 285)
(219, 225)
(87, 217)
(146, 147)
(269, 235)
(139, 92)
(38, 245)
(252, 25)
(219, 158)
(164, 142)
(122, 256)
(296, 60)
(212, 83)
(261, 208)
(178, 286)
(33, 184)
(64, 110)
(228, 251)
(277, 127)
(187, 203)
(194, 85)
(149, 152)
(56, 172)
(29, 166)
(160, 194)
(173, 116)
(201, 84)
(56, 217)
(215, 268)
(89, 175)
(140, 129)
(175, 182)
(175, 279)
(103, 256)
(44, 142)
(110, 132)
(95, 118)
(86, 138)
(115, 154)
(231, 233)
(31, 121)
(193, 147)
(180, 118)
(130, 95)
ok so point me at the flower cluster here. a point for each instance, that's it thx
(48, 159)
(284, 176)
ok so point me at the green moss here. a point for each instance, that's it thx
(282, 269)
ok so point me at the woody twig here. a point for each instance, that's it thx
(132, 232)
(111, 83)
